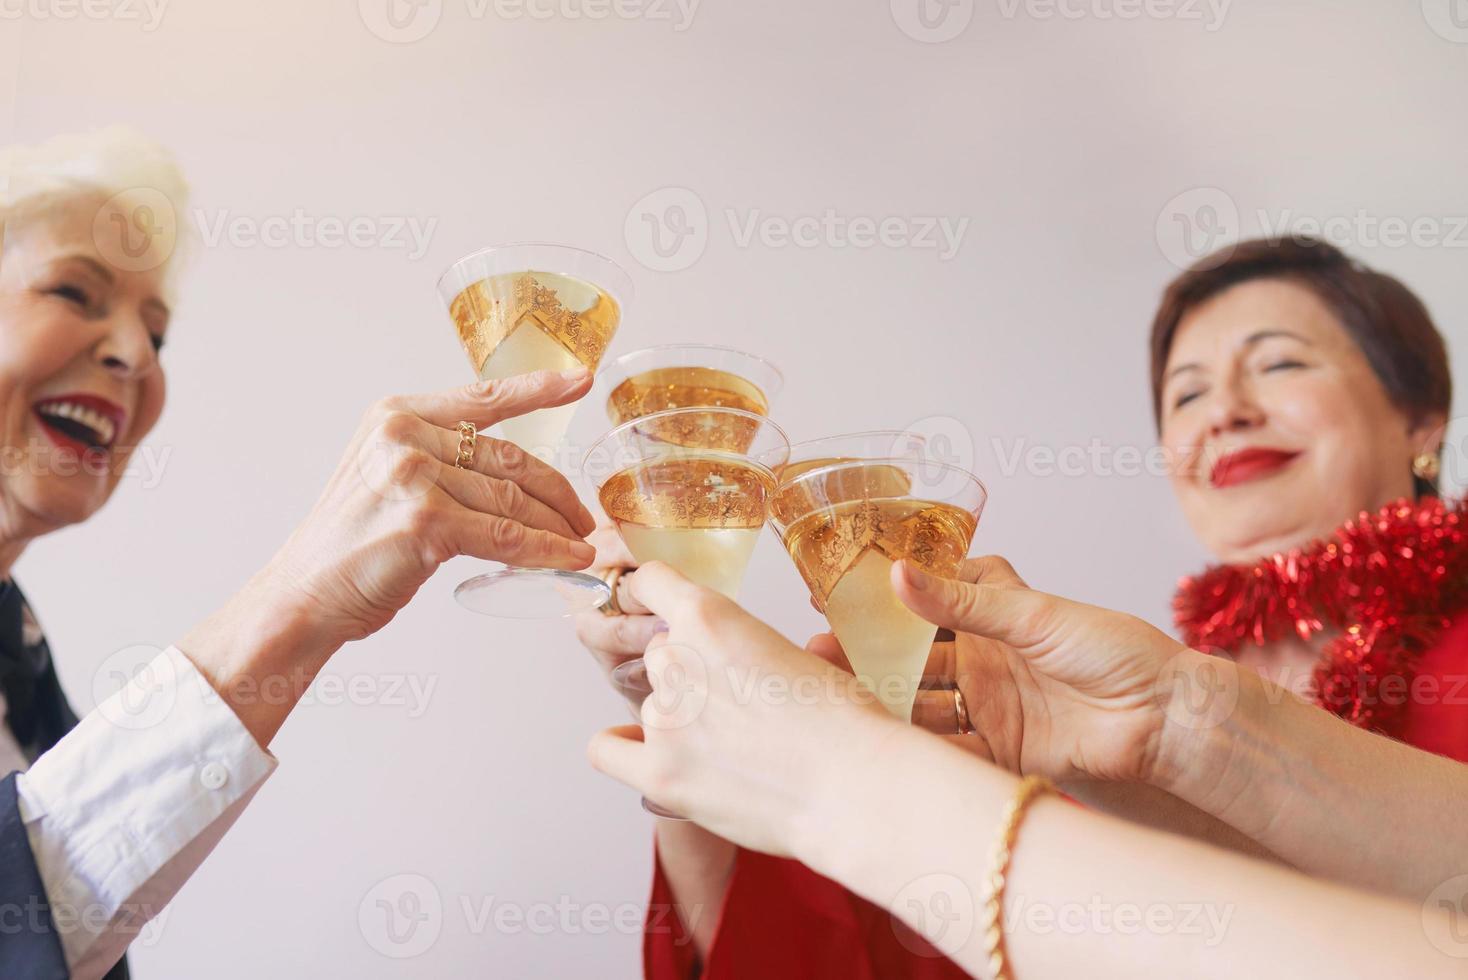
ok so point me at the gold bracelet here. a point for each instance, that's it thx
(1030, 789)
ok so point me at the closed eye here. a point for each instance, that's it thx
(72, 294)
(1284, 366)
(1185, 398)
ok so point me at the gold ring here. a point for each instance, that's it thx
(960, 714)
(467, 438)
(612, 607)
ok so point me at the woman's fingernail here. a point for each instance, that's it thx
(575, 374)
(659, 626)
(917, 579)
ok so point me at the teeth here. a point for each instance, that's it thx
(96, 421)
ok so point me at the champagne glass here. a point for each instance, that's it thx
(690, 487)
(656, 379)
(846, 524)
(850, 447)
(532, 307)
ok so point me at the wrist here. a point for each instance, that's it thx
(1212, 715)
(277, 592)
(1196, 695)
(863, 795)
(919, 811)
(297, 632)
(260, 651)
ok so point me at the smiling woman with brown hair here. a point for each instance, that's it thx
(1303, 391)
(1309, 292)
(113, 814)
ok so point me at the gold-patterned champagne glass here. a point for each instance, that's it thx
(670, 376)
(845, 524)
(630, 678)
(532, 307)
(656, 379)
(690, 487)
(850, 447)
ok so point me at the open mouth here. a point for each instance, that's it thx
(80, 422)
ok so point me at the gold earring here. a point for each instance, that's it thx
(1427, 466)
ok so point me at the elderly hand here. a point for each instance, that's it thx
(397, 507)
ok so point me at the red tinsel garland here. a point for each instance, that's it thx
(1389, 581)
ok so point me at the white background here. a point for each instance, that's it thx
(1063, 141)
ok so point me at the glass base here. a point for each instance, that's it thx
(630, 680)
(532, 593)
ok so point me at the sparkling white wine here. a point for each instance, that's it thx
(873, 479)
(534, 321)
(845, 553)
(715, 557)
(700, 513)
(683, 387)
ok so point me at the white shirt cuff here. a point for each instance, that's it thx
(123, 810)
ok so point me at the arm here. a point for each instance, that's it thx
(1152, 807)
(695, 864)
(910, 822)
(126, 807)
(992, 686)
(121, 811)
(1334, 800)
(1212, 914)
(1097, 695)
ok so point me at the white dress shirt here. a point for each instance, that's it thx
(122, 810)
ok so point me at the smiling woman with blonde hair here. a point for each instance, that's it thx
(110, 816)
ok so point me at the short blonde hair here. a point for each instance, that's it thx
(65, 170)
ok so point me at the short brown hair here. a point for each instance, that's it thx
(1385, 318)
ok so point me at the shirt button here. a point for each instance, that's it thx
(213, 775)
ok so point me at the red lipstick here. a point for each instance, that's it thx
(1245, 465)
(80, 422)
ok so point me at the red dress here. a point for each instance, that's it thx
(782, 921)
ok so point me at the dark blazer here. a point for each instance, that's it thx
(29, 945)
(38, 716)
